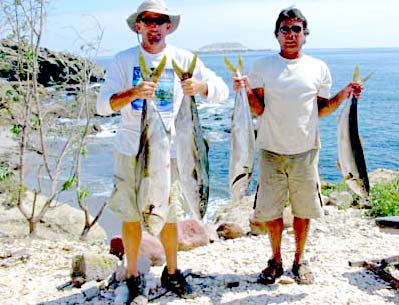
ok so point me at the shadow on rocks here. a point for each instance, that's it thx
(370, 283)
(80, 298)
(215, 286)
(267, 299)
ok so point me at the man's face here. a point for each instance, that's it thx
(153, 27)
(291, 36)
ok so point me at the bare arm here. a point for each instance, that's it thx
(255, 96)
(256, 100)
(327, 106)
(143, 90)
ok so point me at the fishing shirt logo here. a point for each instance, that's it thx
(163, 94)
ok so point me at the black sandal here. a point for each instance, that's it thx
(273, 270)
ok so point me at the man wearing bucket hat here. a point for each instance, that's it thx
(124, 91)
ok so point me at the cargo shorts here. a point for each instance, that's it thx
(123, 198)
(294, 177)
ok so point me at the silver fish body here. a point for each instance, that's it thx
(192, 158)
(242, 152)
(350, 151)
(153, 170)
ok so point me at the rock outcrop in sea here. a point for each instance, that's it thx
(54, 67)
(224, 47)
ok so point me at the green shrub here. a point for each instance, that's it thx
(385, 199)
(5, 173)
(8, 187)
(327, 187)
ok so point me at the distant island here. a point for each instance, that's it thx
(224, 47)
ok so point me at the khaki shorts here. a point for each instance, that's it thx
(295, 177)
(123, 198)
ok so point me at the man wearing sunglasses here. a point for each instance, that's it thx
(289, 91)
(124, 91)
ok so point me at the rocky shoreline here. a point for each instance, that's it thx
(31, 269)
(224, 272)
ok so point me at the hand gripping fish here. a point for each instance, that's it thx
(242, 151)
(350, 151)
(191, 150)
(152, 166)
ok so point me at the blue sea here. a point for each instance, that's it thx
(378, 115)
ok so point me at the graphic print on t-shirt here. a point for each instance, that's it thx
(163, 94)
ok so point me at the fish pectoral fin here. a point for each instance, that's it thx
(359, 182)
(339, 165)
(239, 177)
(169, 134)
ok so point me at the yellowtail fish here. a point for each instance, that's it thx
(242, 148)
(191, 150)
(153, 161)
(350, 151)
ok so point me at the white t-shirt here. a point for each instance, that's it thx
(289, 123)
(124, 73)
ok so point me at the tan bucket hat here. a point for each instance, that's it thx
(154, 6)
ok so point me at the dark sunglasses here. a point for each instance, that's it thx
(157, 20)
(285, 29)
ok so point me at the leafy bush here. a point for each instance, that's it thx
(385, 199)
(327, 187)
(5, 173)
(8, 187)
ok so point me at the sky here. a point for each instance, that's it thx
(332, 23)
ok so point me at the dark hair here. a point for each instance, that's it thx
(291, 13)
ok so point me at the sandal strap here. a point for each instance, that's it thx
(302, 273)
(273, 270)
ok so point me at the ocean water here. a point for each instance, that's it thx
(378, 111)
(378, 115)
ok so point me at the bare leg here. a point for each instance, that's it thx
(275, 229)
(169, 241)
(301, 228)
(131, 236)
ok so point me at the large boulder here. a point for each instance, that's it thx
(230, 231)
(382, 175)
(191, 234)
(54, 67)
(152, 248)
(238, 213)
(60, 220)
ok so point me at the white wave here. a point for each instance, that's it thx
(206, 105)
(213, 206)
(105, 133)
(108, 129)
(216, 136)
(103, 193)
